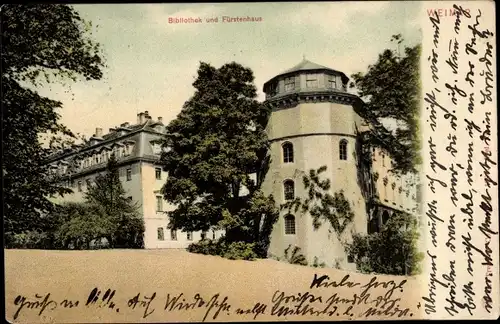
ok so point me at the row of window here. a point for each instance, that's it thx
(95, 159)
(312, 81)
(173, 235)
(71, 182)
(288, 154)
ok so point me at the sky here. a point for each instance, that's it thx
(152, 63)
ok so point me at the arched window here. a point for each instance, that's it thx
(288, 152)
(343, 149)
(289, 189)
(385, 217)
(290, 224)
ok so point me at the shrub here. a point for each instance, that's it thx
(240, 251)
(295, 257)
(391, 251)
(232, 251)
(30, 240)
(317, 264)
(205, 246)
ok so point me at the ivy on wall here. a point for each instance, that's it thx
(320, 204)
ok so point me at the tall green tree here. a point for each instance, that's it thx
(214, 145)
(107, 192)
(391, 91)
(41, 43)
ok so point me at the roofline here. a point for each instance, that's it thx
(102, 143)
(345, 78)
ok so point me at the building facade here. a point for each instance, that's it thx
(142, 178)
(314, 123)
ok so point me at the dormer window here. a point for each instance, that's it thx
(331, 81)
(156, 148)
(311, 80)
(290, 84)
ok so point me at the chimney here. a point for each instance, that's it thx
(140, 118)
(146, 115)
(98, 132)
(160, 119)
(111, 130)
(126, 124)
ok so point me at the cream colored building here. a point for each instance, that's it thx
(314, 123)
(141, 176)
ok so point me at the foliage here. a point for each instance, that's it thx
(240, 251)
(337, 264)
(391, 89)
(82, 223)
(216, 142)
(321, 204)
(392, 251)
(317, 264)
(38, 40)
(232, 251)
(29, 240)
(293, 256)
(107, 191)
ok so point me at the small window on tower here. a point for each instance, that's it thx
(289, 224)
(331, 81)
(288, 153)
(343, 149)
(312, 81)
(290, 84)
(289, 188)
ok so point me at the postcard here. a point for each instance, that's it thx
(225, 162)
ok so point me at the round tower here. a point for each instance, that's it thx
(313, 124)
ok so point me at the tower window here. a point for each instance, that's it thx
(290, 84)
(288, 153)
(331, 81)
(311, 80)
(158, 173)
(343, 149)
(289, 187)
(289, 224)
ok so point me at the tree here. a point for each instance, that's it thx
(214, 145)
(40, 43)
(320, 204)
(392, 251)
(80, 224)
(107, 192)
(391, 90)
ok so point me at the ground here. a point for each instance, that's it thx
(72, 275)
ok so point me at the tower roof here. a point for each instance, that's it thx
(306, 65)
